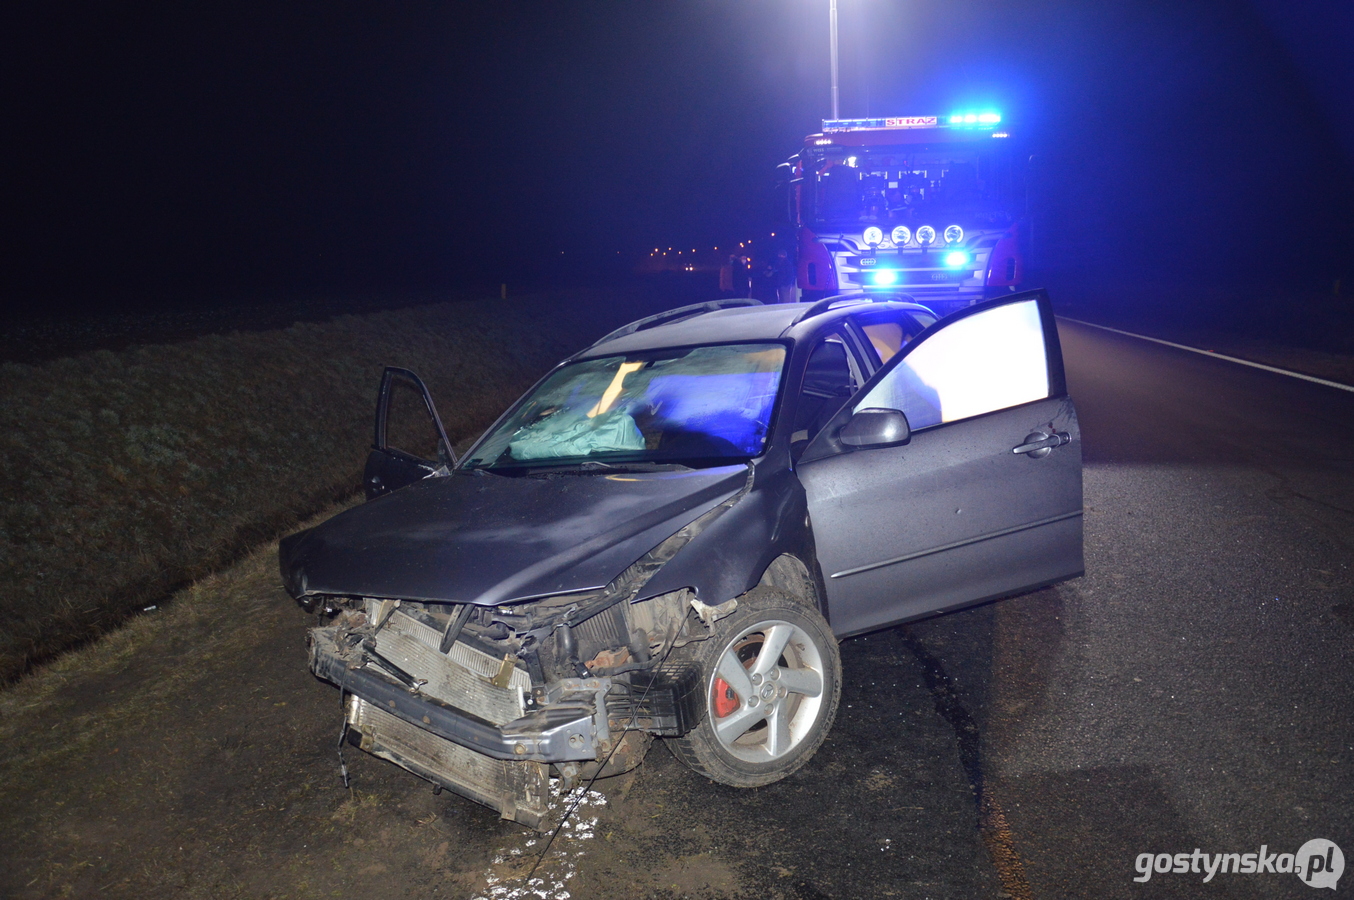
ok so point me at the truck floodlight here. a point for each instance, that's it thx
(926, 235)
(873, 236)
(901, 235)
(954, 234)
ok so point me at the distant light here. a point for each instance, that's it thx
(989, 118)
(1000, 134)
(822, 142)
(884, 276)
(970, 118)
(851, 161)
(956, 120)
(956, 259)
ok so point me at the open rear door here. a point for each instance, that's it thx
(410, 443)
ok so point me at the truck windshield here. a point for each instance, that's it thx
(696, 405)
(851, 188)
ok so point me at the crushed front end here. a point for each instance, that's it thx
(490, 702)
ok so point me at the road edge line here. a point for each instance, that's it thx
(1211, 355)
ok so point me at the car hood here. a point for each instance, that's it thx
(493, 539)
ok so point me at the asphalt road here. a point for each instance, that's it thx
(1194, 689)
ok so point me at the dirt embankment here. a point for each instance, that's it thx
(129, 473)
(191, 755)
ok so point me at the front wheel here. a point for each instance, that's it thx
(772, 679)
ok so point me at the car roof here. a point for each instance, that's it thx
(707, 325)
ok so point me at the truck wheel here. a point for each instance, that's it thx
(772, 680)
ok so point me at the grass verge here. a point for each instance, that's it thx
(131, 473)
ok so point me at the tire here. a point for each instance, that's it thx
(762, 718)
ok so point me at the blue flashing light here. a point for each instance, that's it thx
(975, 118)
(956, 259)
(884, 276)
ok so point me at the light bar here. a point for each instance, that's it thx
(959, 118)
(830, 125)
(975, 118)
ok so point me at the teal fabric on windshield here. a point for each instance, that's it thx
(568, 434)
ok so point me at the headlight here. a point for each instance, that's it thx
(953, 234)
(873, 236)
(901, 235)
(884, 276)
(926, 235)
(956, 258)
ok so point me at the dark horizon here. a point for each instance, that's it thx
(172, 156)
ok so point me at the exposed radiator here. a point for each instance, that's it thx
(460, 677)
(518, 790)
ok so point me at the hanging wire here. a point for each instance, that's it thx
(580, 794)
(343, 739)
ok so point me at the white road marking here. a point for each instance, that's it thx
(1211, 355)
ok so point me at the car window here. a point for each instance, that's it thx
(984, 362)
(409, 427)
(888, 333)
(830, 378)
(711, 402)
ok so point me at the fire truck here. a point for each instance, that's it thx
(930, 206)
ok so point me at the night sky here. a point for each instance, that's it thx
(194, 153)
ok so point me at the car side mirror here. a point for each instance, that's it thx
(871, 428)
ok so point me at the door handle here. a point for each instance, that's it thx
(1039, 444)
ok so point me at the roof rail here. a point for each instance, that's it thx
(676, 315)
(823, 306)
(827, 303)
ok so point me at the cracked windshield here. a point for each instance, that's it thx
(699, 405)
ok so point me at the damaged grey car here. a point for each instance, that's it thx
(669, 534)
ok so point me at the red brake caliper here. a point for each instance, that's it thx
(726, 701)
